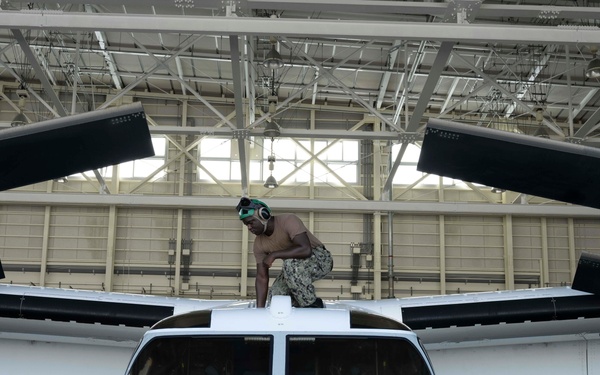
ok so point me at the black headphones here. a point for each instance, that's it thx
(247, 206)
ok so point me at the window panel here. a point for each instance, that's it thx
(236, 172)
(284, 149)
(160, 145)
(347, 172)
(218, 168)
(126, 169)
(350, 150)
(334, 152)
(215, 148)
(342, 158)
(254, 174)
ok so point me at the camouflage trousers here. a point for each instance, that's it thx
(297, 276)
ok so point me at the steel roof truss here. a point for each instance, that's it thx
(530, 110)
(159, 63)
(110, 63)
(341, 85)
(385, 78)
(284, 104)
(239, 109)
(39, 72)
(183, 83)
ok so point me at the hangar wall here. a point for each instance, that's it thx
(144, 249)
(72, 246)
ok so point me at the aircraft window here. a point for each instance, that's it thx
(205, 355)
(194, 319)
(344, 355)
(360, 319)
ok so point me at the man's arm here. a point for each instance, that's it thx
(300, 249)
(261, 284)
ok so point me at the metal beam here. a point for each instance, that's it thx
(441, 59)
(239, 109)
(465, 98)
(180, 73)
(39, 72)
(380, 7)
(185, 84)
(340, 84)
(509, 94)
(589, 125)
(385, 78)
(300, 205)
(408, 79)
(523, 87)
(299, 27)
(202, 57)
(428, 8)
(160, 63)
(110, 62)
(285, 133)
(43, 61)
(307, 86)
(586, 99)
(450, 94)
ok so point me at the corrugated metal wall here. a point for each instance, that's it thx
(71, 246)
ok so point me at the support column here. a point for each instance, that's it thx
(509, 263)
(45, 235)
(545, 271)
(442, 224)
(377, 255)
(572, 258)
(311, 187)
(115, 180)
(442, 237)
(176, 286)
(245, 264)
(182, 159)
(390, 254)
(110, 249)
(377, 164)
(178, 242)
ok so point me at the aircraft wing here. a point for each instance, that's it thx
(63, 146)
(538, 166)
(425, 315)
(52, 324)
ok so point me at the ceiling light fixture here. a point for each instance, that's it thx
(273, 60)
(593, 68)
(541, 132)
(271, 182)
(541, 129)
(271, 130)
(20, 119)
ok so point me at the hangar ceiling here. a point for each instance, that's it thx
(512, 65)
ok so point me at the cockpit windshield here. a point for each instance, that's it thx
(353, 355)
(205, 355)
(304, 355)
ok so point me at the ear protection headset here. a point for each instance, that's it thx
(247, 207)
